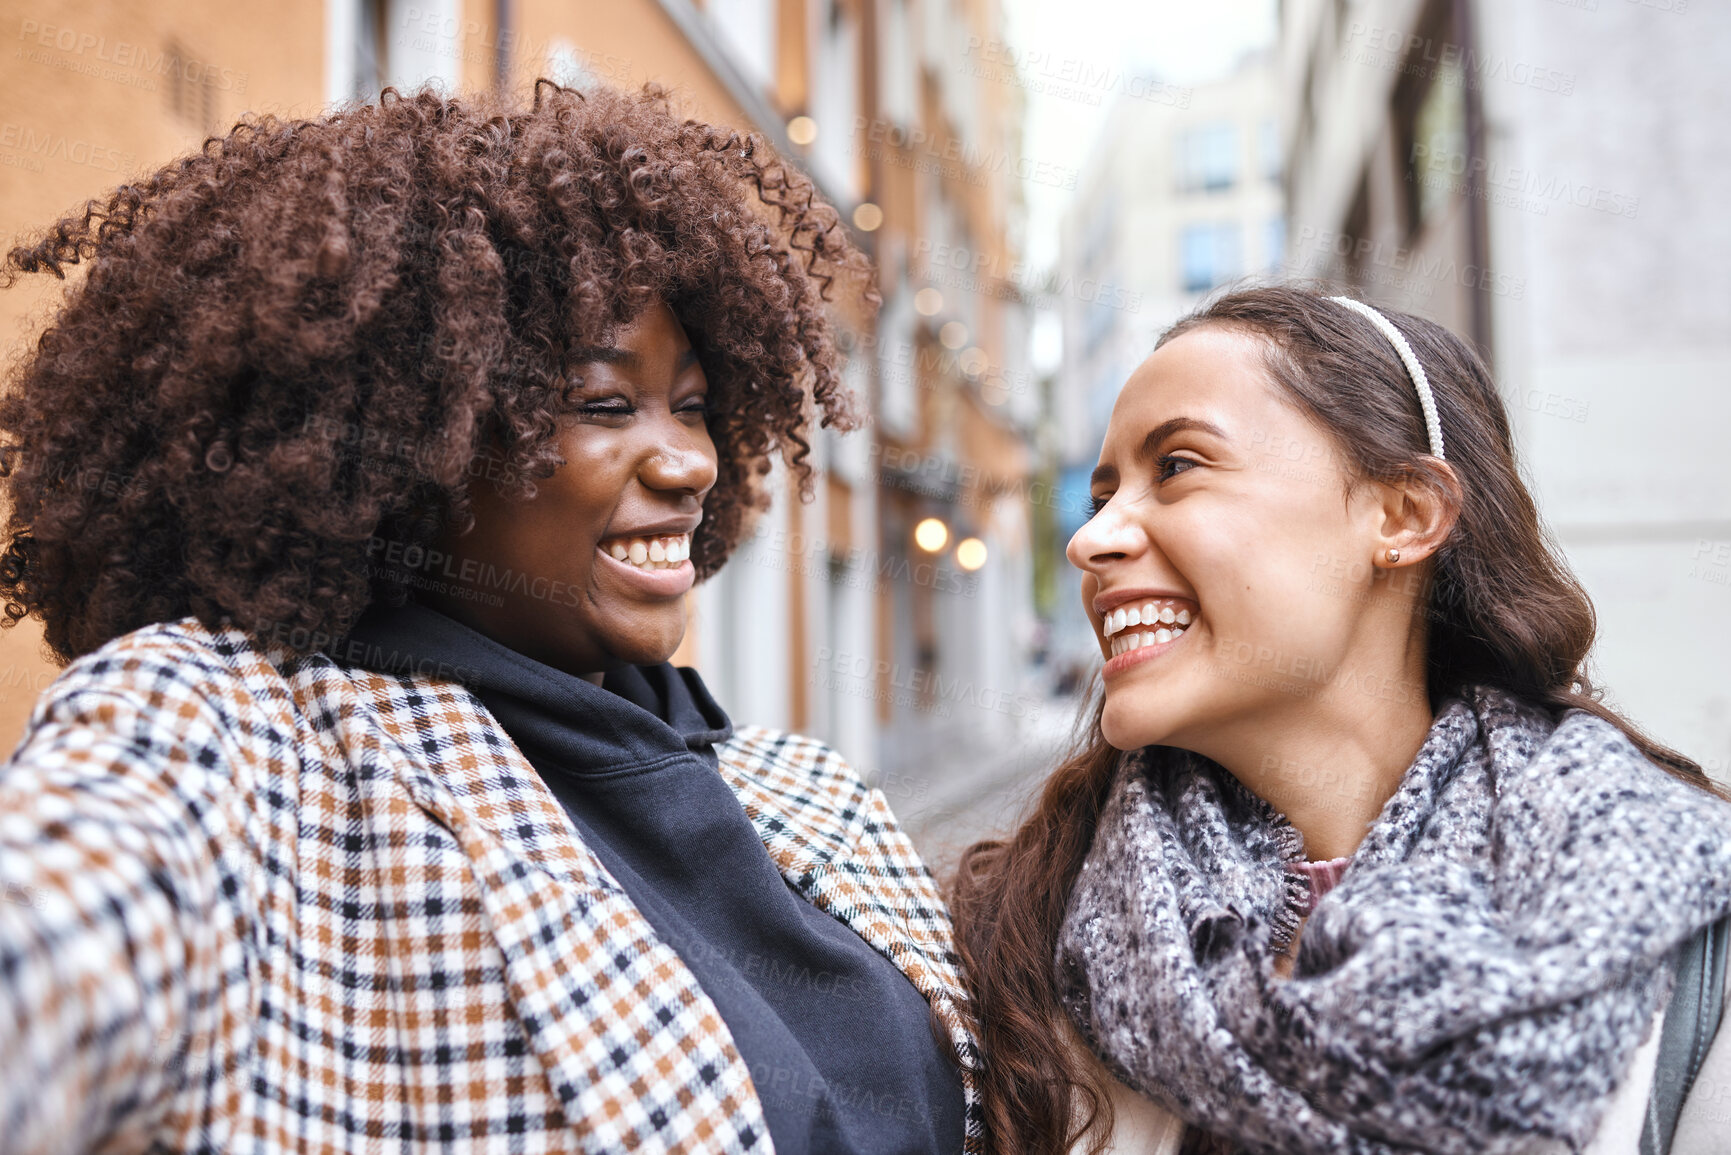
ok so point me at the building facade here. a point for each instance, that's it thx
(1541, 177)
(832, 619)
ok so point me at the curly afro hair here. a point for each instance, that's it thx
(310, 332)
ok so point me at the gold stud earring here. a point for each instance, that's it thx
(1392, 555)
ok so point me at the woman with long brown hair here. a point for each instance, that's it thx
(1351, 857)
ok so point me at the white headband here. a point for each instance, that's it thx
(1426, 401)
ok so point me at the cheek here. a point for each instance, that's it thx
(1262, 583)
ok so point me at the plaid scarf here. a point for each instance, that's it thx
(1480, 978)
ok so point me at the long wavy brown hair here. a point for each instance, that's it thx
(1503, 610)
(312, 333)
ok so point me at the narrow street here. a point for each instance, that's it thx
(953, 781)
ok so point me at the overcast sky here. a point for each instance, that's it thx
(1180, 41)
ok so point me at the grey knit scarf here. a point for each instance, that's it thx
(1478, 981)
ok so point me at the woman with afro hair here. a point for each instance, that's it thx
(360, 482)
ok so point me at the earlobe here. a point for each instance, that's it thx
(1419, 513)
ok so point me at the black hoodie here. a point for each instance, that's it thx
(839, 1042)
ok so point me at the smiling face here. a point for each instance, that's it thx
(1224, 513)
(598, 557)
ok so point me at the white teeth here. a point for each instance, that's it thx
(650, 552)
(1122, 640)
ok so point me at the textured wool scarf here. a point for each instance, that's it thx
(1478, 981)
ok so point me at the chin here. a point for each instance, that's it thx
(1124, 728)
(651, 650)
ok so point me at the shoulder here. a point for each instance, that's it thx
(798, 790)
(169, 686)
(792, 760)
(1704, 1123)
(163, 658)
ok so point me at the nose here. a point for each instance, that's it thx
(1106, 537)
(682, 462)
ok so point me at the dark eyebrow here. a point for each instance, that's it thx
(603, 355)
(608, 355)
(1157, 436)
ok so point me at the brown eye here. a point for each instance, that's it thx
(1168, 467)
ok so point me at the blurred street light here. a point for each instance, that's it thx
(931, 535)
(954, 334)
(867, 217)
(802, 130)
(928, 302)
(970, 553)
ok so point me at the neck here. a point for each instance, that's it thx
(1330, 761)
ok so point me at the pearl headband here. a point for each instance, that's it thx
(1426, 401)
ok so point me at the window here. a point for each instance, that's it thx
(369, 58)
(1208, 158)
(1097, 325)
(1274, 242)
(1211, 254)
(1268, 141)
(748, 28)
(191, 93)
(1437, 157)
(835, 102)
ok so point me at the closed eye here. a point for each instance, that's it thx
(1096, 504)
(610, 408)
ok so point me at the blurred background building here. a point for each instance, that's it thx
(1549, 178)
(1044, 189)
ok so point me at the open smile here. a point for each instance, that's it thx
(656, 566)
(1141, 631)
